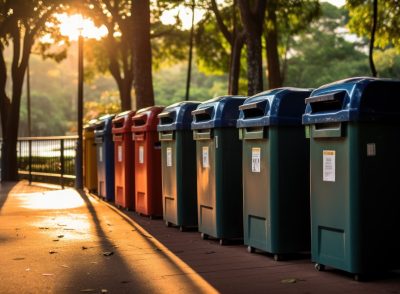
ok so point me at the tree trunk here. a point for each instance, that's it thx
(142, 58)
(4, 100)
(124, 87)
(253, 20)
(234, 70)
(271, 37)
(9, 152)
(371, 44)
(254, 64)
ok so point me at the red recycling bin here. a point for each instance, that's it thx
(148, 195)
(123, 160)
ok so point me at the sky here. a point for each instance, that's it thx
(337, 3)
(70, 25)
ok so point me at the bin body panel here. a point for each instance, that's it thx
(105, 168)
(148, 197)
(89, 161)
(124, 163)
(219, 186)
(276, 196)
(179, 179)
(360, 238)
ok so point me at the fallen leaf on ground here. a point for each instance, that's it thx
(52, 252)
(56, 240)
(289, 281)
(84, 248)
(108, 253)
(19, 258)
(210, 252)
(64, 265)
(43, 228)
(60, 236)
(45, 274)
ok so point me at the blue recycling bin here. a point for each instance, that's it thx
(276, 213)
(354, 131)
(219, 168)
(105, 157)
(178, 165)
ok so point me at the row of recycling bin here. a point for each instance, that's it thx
(287, 170)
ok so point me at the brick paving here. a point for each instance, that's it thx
(56, 241)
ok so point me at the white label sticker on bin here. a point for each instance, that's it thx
(205, 157)
(255, 160)
(169, 156)
(371, 149)
(329, 165)
(141, 154)
(119, 153)
(100, 153)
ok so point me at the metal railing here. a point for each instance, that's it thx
(47, 159)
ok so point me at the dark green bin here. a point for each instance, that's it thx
(219, 168)
(354, 131)
(276, 213)
(178, 165)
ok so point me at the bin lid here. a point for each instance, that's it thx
(218, 112)
(90, 125)
(177, 116)
(354, 99)
(103, 125)
(281, 106)
(146, 119)
(122, 122)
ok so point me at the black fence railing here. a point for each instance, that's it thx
(47, 159)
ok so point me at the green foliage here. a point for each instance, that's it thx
(387, 63)
(169, 85)
(388, 28)
(320, 55)
(108, 103)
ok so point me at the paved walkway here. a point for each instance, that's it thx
(60, 241)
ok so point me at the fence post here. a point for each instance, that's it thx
(30, 160)
(62, 162)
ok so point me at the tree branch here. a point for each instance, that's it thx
(223, 28)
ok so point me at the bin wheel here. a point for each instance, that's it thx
(319, 267)
(250, 249)
(204, 236)
(168, 224)
(223, 242)
(277, 257)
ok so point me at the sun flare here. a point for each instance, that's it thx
(71, 25)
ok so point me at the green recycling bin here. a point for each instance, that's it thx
(354, 132)
(219, 168)
(276, 205)
(178, 165)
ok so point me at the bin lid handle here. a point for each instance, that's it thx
(250, 105)
(207, 110)
(326, 97)
(139, 117)
(118, 119)
(164, 114)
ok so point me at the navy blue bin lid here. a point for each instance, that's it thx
(281, 106)
(218, 112)
(104, 125)
(177, 116)
(355, 99)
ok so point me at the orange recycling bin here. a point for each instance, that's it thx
(123, 160)
(148, 192)
(89, 157)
